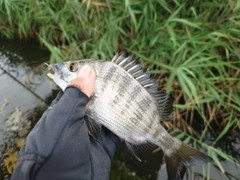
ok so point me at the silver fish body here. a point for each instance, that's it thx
(129, 103)
(125, 107)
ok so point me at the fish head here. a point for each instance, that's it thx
(65, 73)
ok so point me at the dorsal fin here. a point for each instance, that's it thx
(136, 70)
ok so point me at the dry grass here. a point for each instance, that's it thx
(192, 46)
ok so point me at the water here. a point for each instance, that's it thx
(25, 92)
(23, 95)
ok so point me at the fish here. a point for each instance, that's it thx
(128, 101)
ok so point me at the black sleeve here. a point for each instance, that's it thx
(59, 146)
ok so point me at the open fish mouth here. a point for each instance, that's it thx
(51, 73)
(54, 71)
(52, 76)
(62, 84)
(50, 68)
(55, 74)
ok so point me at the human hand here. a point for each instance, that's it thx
(85, 80)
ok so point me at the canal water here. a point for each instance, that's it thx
(25, 92)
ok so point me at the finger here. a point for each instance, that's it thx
(85, 71)
(92, 74)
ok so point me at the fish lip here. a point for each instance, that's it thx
(57, 71)
(52, 74)
(55, 68)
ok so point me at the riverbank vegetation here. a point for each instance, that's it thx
(191, 46)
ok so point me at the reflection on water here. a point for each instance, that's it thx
(17, 126)
(25, 94)
(20, 102)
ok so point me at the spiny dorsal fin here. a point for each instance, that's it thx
(135, 69)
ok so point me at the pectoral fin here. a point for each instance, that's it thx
(94, 128)
(138, 151)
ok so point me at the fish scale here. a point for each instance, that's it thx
(126, 84)
(129, 102)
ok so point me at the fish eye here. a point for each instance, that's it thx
(73, 67)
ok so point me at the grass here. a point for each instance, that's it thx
(191, 46)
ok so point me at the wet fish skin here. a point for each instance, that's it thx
(119, 96)
(122, 104)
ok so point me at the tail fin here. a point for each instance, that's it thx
(182, 158)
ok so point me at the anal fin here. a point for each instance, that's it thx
(94, 128)
(138, 151)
